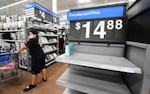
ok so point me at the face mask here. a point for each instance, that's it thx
(30, 37)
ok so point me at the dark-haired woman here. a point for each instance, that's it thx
(38, 58)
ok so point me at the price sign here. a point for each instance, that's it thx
(105, 28)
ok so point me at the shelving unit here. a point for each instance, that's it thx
(49, 46)
(43, 23)
(86, 73)
(89, 84)
(16, 28)
(97, 64)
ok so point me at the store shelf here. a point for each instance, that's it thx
(12, 40)
(91, 85)
(37, 19)
(10, 31)
(49, 43)
(51, 51)
(40, 27)
(48, 35)
(50, 62)
(102, 62)
(23, 67)
(70, 91)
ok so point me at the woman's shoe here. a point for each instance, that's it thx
(29, 88)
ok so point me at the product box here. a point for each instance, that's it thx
(69, 49)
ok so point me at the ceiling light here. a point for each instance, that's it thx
(13, 4)
(84, 1)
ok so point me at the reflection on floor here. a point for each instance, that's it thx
(49, 87)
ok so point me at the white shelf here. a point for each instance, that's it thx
(24, 67)
(91, 85)
(10, 31)
(12, 40)
(49, 43)
(48, 35)
(50, 62)
(41, 27)
(51, 51)
(99, 61)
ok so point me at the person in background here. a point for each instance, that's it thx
(61, 44)
(37, 60)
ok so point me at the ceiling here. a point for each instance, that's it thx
(7, 7)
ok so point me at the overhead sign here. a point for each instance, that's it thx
(38, 6)
(104, 12)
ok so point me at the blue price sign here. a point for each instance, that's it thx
(106, 12)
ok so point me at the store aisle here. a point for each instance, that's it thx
(49, 87)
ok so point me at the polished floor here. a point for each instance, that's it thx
(49, 87)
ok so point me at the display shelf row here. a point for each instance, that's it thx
(47, 64)
(11, 31)
(113, 63)
(42, 28)
(50, 57)
(48, 35)
(52, 51)
(92, 85)
(12, 40)
(37, 19)
(50, 62)
(49, 43)
(23, 67)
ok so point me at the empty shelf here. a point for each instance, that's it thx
(91, 85)
(100, 61)
(70, 91)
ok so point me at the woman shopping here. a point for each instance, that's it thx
(38, 58)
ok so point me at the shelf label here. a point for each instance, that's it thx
(103, 12)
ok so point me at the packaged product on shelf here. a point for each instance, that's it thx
(69, 49)
(20, 24)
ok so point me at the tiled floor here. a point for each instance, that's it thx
(49, 87)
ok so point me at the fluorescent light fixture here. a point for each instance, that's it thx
(84, 1)
(13, 4)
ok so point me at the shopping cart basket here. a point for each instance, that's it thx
(9, 67)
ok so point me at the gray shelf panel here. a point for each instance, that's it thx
(70, 91)
(51, 51)
(37, 19)
(41, 27)
(24, 67)
(12, 40)
(99, 61)
(91, 85)
(49, 43)
(10, 31)
(48, 35)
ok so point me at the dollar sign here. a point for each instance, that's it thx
(78, 26)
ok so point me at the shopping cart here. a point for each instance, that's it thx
(9, 67)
